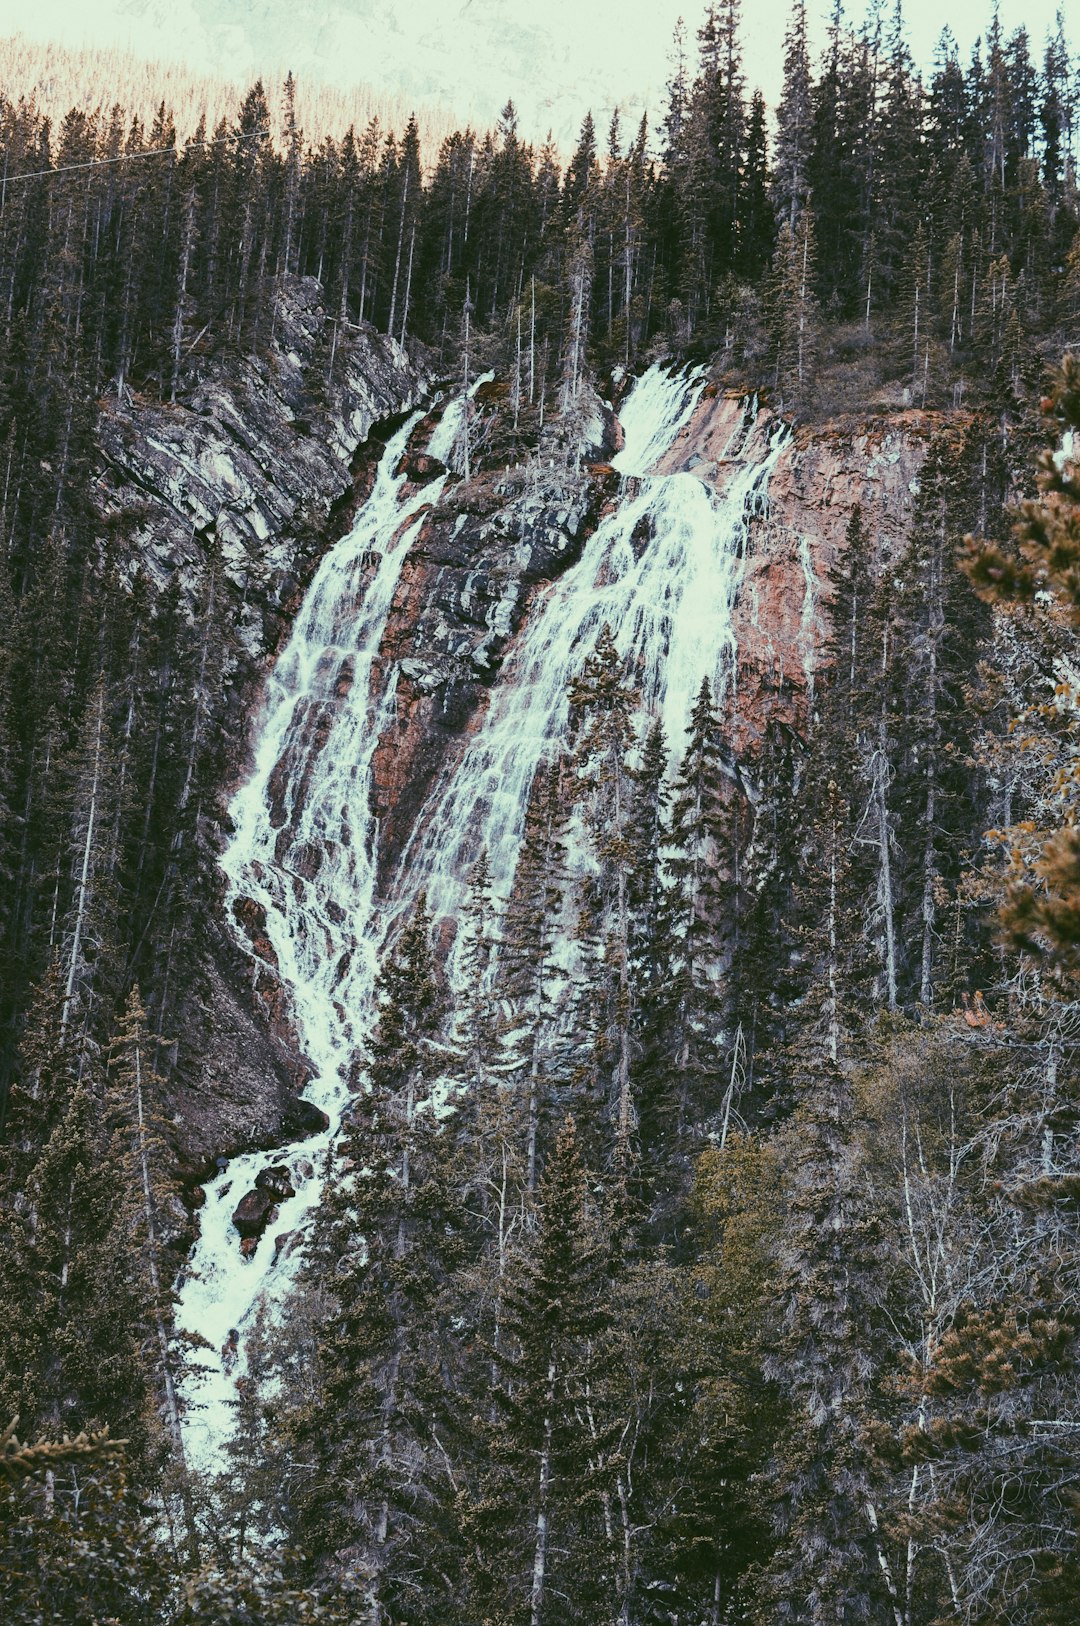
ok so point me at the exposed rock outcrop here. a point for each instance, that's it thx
(301, 1119)
(255, 456)
(275, 1179)
(822, 474)
(252, 1213)
(261, 462)
(489, 548)
(480, 559)
(257, 463)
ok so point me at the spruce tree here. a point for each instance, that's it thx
(831, 1563)
(536, 1519)
(387, 1241)
(531, 979)
(793, 123)
(792, 316)
(602, 705)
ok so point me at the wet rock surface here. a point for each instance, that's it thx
(487, 550)
(781, 611)
(252, 1213)
(276, 1180)
(481, 558)
(302, 1119)
(256, 465)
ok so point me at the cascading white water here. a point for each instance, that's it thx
(662, 570)
(303, 849)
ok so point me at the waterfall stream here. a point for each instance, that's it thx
(662, 572)
(662, 569)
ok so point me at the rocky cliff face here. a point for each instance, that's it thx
(256, 457)
(823, 473)
(482, 556)
(260, 461)
(488, 549)
(266, 459)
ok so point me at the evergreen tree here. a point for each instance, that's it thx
(389, 1236)
(693, 860)
(792, 315)
(603, 708)
(536, 1521)
(531, 976)
(830, 1563)
(793, 124)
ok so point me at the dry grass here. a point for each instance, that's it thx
(58, 78)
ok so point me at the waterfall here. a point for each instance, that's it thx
(662, 569)
(303, 849)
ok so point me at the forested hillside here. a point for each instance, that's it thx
(539, 881)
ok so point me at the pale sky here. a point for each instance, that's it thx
(555, 57)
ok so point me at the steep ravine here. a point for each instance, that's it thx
(424, 679)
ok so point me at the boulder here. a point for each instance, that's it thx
(276, 1180)
(302, 1118)
(418, 466)
(252, 1213)
(248, 1245)
(283, 1245)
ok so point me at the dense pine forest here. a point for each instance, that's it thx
(701, 1243)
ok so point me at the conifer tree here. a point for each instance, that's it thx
(700, 920)
(1041, 907)
(756, 221)
(718, 1529)
(603, 707)
(390, 1237)
(830, 1562)
(75, 1543)
(537, 1521)
(530, 974)
(138, 1159)
(937, 621)
(792, 315)
(793, 123)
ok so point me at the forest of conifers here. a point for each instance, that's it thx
(742, 1284)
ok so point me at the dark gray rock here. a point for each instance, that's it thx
(256, 461)
(252, 1213)
(275, 1179)
(252, 459)
(303, 1118)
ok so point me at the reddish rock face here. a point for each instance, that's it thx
(781, 612)
(418, 466)
(459, 567)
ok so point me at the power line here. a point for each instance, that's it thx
(124, 158)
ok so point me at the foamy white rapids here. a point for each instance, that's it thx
(304, 850)
(662, 570)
